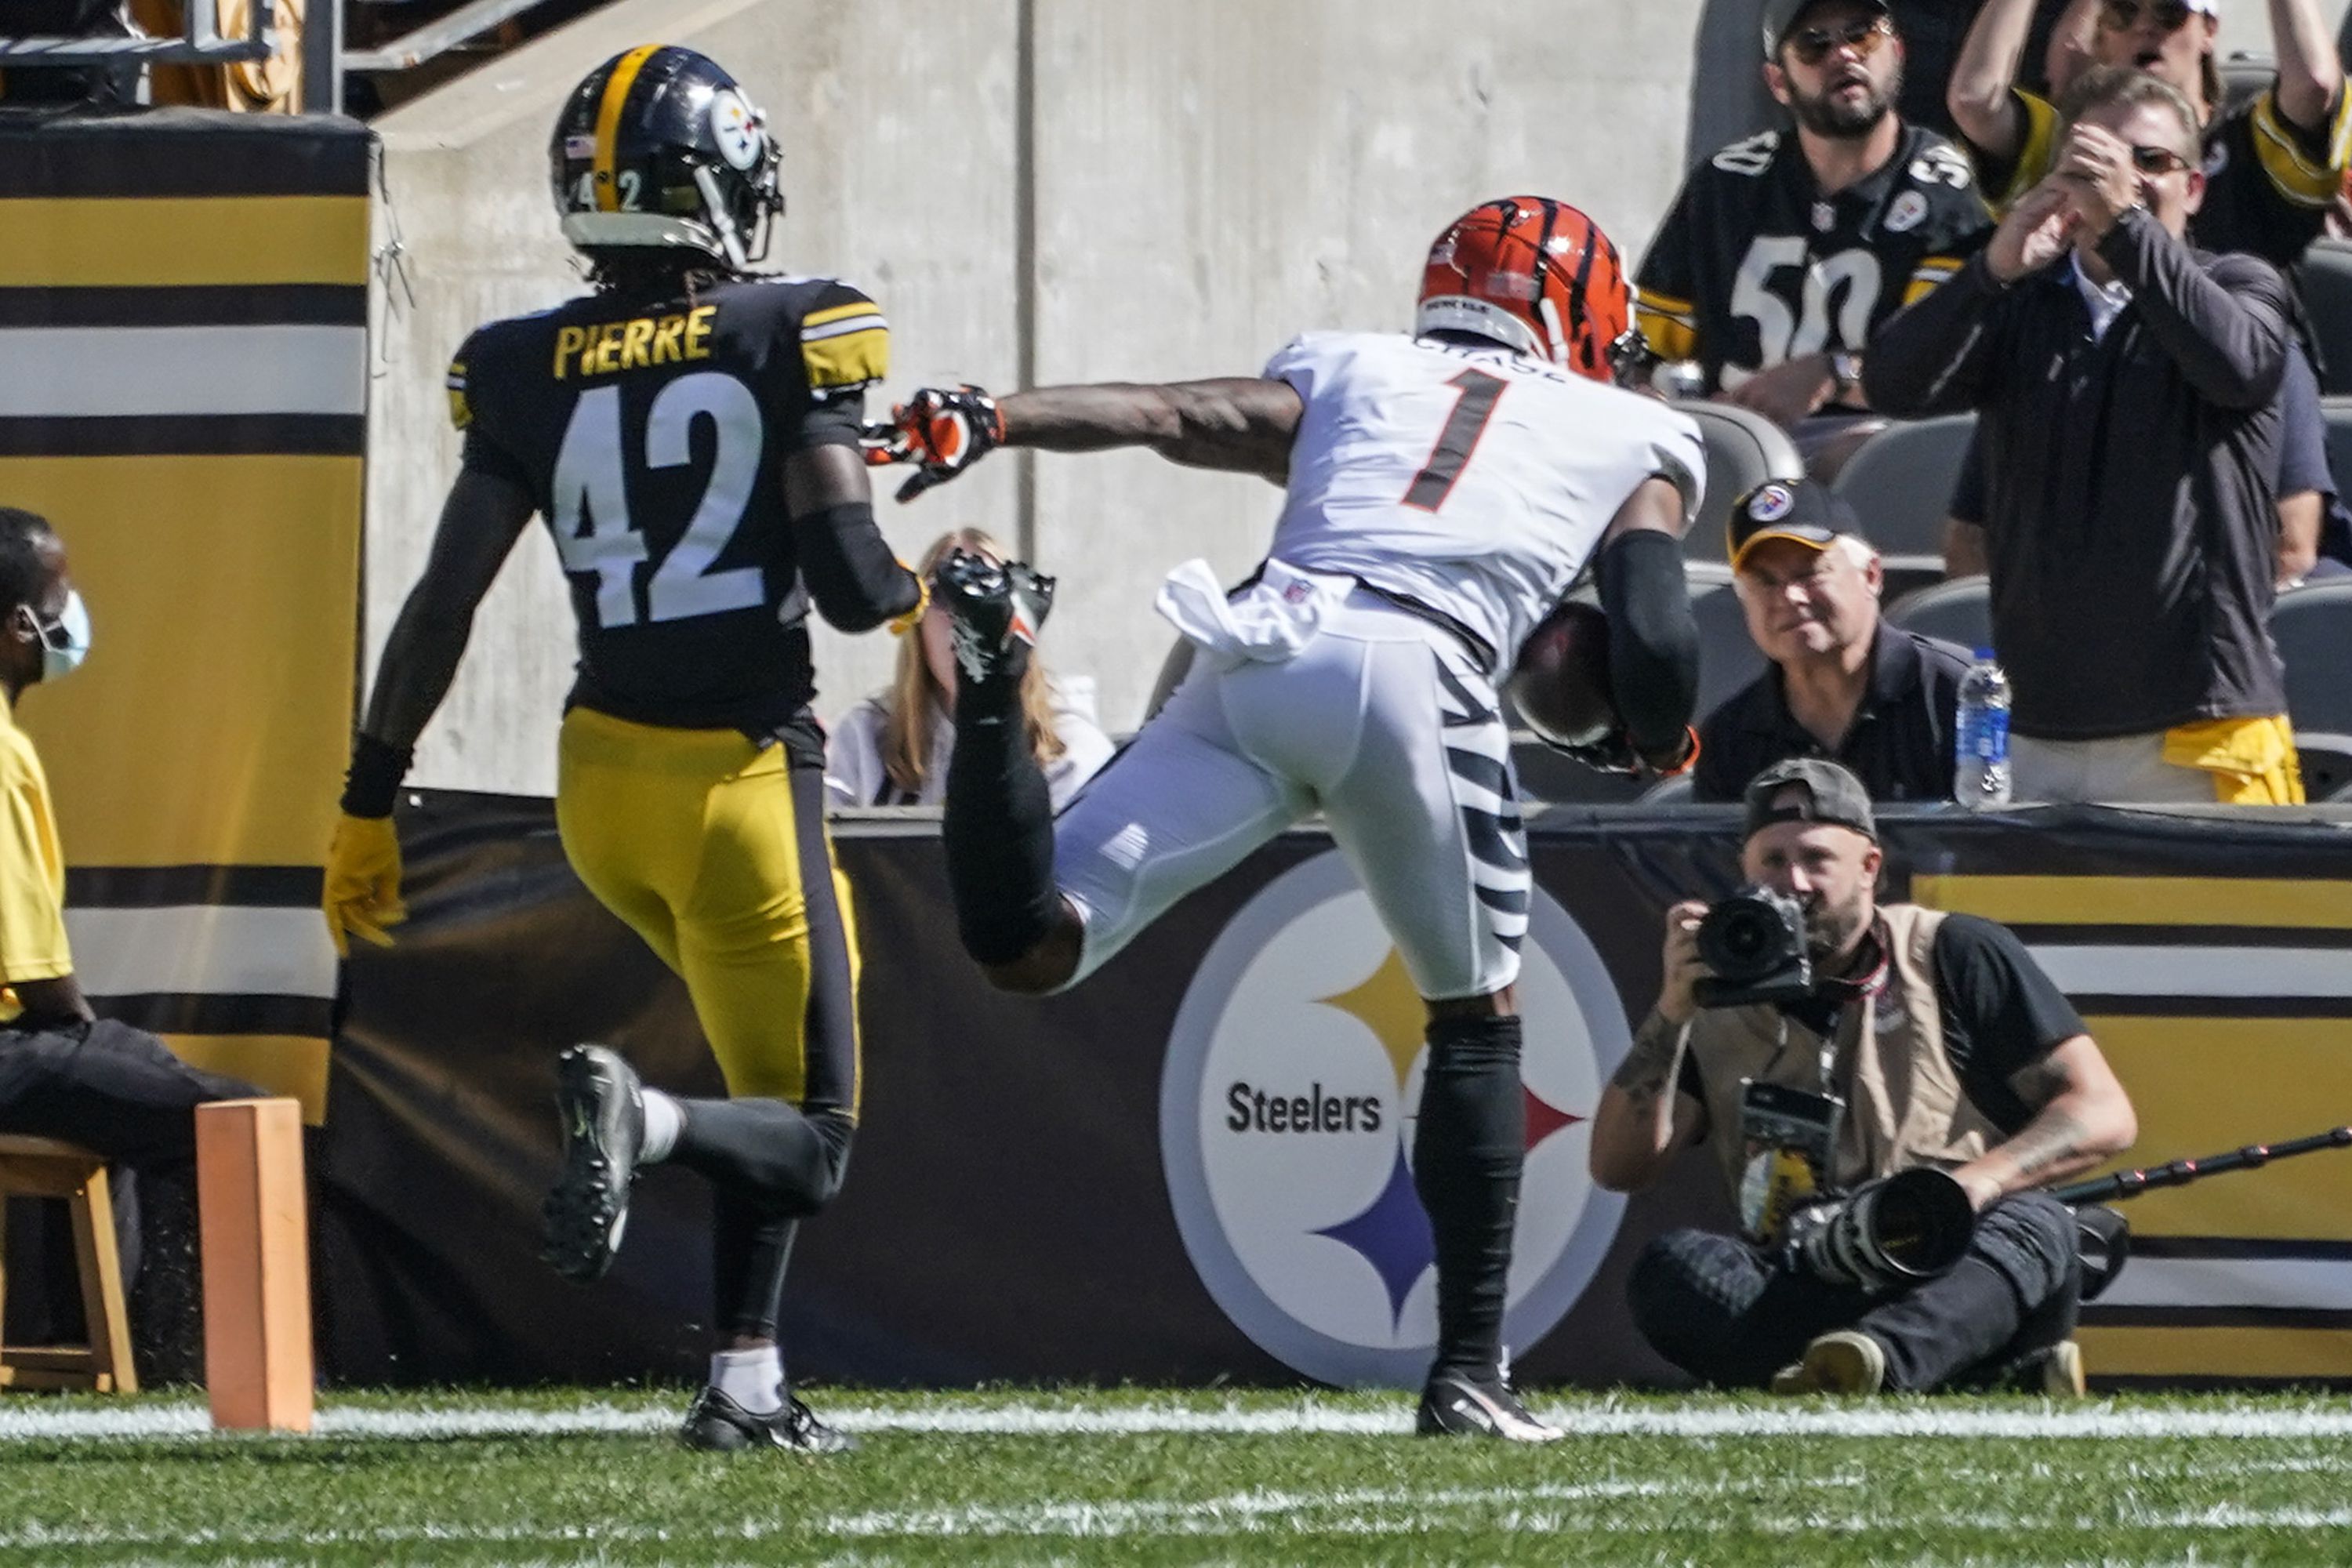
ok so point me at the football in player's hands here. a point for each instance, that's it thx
(1560, 684)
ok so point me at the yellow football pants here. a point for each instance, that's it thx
(715, 851)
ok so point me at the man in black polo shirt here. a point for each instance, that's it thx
(1844, 684)
(2128, 389)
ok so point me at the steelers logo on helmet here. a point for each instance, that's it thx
(1770, 503)
(658, 150)
(736, 126)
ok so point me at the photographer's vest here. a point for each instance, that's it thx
(1904, 1104)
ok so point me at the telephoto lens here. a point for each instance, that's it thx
(1909, 1226)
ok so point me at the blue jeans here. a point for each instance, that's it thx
(1731, 1315)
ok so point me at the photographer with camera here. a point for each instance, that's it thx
(1885, 1087)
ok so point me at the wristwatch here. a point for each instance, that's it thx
(1845, 374)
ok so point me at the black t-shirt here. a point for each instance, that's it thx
(650, 432)
(2000, 1013)
(1900, 744)
(1755, 266)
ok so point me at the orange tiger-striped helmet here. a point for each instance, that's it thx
(1535, 275)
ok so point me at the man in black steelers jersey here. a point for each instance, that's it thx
(1783, 252)
(689, 432)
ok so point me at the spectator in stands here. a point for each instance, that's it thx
(1782, 252)
(1935, 31)
(64, 1072)
(2128, 392)
(892, 749)
(2272, 168)
(1844, 684)
(2314, 532)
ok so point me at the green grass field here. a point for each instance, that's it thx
(1148, 1477)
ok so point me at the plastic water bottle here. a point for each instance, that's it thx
(1980, 763)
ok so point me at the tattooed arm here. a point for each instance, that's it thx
(2085, 1119)
(1644, 1118)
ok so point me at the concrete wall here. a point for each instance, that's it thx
(1071, 188)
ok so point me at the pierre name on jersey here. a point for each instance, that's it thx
(1755, 264)
(647, 429)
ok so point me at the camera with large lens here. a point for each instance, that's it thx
(1755, 942)
(1894, 1232)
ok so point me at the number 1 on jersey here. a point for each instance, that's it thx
(1471, 409)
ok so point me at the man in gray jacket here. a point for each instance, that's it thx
(2129, 388)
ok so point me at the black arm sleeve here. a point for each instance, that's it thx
(2229, 330)
(2002, 1012)
(1938, 355)
(1653, 640)
(856, 581)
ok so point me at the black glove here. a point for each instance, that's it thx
(943, 430)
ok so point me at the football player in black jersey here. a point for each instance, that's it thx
(1783, 252)
(689, 432)
(2273, 164)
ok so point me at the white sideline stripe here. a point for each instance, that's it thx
(201, 949)
(2197, 971)
(1597, 1417)
(2306, 1283)
(98, 372)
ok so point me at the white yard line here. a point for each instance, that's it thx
(28, 1421)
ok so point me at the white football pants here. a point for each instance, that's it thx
(1382, 722)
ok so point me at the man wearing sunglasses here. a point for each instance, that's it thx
(2127, 392)
(2272, 166)
(1782, 252)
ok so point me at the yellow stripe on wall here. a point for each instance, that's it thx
(291, 1064)
(158, 242)
(2217, 1352)
(2142, 901)
(211, 722)
(2204, 1086)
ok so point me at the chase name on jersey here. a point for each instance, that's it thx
(640, 341)
(1249, 1108)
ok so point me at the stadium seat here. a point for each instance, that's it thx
(1727, 659)
(47, 1168)
(1676, 791)
(2325, 280)
(1900, 483)
(2327, 761)
(1743, 451)
(2312, 628)
(1958, 611)
(2246, 74)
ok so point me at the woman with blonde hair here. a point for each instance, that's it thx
(892, 748)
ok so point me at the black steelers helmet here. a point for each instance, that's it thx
(657, 149)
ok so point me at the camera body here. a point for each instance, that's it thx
(1754, 941)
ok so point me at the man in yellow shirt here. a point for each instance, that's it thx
(64, 1072)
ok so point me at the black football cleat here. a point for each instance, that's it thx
(603, 1108)
(990, 608)
(715, 1424)
(1459, 1404)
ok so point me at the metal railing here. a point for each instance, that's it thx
(199, 43)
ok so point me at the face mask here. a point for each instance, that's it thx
(67, 643)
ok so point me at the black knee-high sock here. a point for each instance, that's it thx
(999, 826)
(768, 1167)
(779, 1160)
(1467, 1152)
(749, 1250)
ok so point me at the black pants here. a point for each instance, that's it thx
(115, 1090)
(1729, 1315)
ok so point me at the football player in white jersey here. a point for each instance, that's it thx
(1445, 490)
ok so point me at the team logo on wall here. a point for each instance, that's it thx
(1286, 1119)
